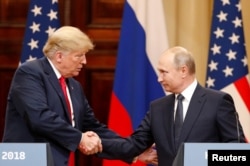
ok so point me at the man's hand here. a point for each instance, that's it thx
(90, 143)
(149, 156)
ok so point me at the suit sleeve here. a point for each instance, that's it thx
(130, 147)
(228, 122)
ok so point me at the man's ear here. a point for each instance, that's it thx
(184, 70)
(58, 56)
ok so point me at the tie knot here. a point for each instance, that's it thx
(180, 97)
(62, 82)
(62, 79)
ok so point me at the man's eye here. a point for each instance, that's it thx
(79, 56)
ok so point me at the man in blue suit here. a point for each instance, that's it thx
(207, 115)
(37, 109)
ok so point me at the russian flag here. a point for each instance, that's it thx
(142, 40)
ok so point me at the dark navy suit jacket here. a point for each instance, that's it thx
(210, 118)
(37, 111)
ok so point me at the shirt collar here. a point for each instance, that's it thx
(58, 75)
(188, 92)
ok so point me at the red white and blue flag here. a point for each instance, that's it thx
(227, 62)
(142, 40)
(42, 21)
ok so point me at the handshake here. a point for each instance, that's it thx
(90, 143)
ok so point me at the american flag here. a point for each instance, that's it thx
(43, 20)
(227, 62)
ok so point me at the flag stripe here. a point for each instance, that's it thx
(242, 86)
(121, 122)
(152, 22)
(241, 107)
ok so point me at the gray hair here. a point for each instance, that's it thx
(183, 57)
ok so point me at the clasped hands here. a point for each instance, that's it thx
(90, 143)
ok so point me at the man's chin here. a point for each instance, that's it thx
(76, 74)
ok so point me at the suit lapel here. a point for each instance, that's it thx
(55, 83)
(194, 109)
(168, 112)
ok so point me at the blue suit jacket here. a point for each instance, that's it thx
(37, 111)
(210, 118)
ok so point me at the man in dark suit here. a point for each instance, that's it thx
(39, 111)
(207, 115)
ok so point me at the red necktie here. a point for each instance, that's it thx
(64, 85)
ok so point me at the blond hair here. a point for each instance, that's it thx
(67, 39)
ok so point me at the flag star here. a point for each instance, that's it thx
(231, 59)
(52, 15)
(216, 49)
(219, 32)
(210, 82)
(31, 58)
(35, 27)
(222, 16)
(231, 55)
(237, 22)
(224, 2)
(37, 10)
(238, 5)
(42, 18)
(54, 1)
(213, 65)
(33, 44)
(228, 71)
(234, 38)
(50, 30)
(244, 61)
